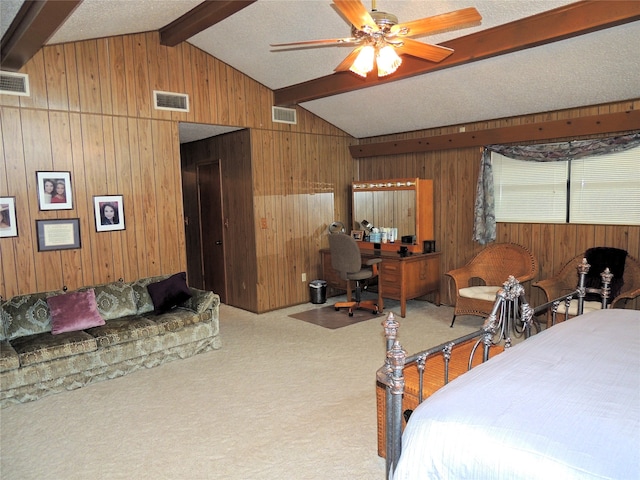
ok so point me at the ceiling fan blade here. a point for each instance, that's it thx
(348, 61)
(458, 18)
(433, 53)
(356, 13)
(328, 41)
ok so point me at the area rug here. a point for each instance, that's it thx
(328, 317)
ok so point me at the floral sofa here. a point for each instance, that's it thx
(56, 341)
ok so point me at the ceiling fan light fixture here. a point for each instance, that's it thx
(388, 61)
(363, 63)
(376, 34)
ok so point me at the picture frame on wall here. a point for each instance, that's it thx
(59, 234)
(109, 212)
(54, 190)
(8, 223)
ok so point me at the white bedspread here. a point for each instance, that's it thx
(564, 404)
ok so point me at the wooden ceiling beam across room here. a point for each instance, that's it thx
(34, 24)
(619, 122)
(200, 18)
(547, 27)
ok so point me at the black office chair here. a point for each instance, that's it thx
(346, 259)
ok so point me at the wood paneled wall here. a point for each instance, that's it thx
(298, 195)
(91, 113)
(105, 155)
(455, 172)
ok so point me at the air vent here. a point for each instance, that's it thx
(178, 102)
(284, 115)
(14, 84)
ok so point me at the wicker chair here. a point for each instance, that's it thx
(566, 280)
(492, 266)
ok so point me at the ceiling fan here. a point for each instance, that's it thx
(381, 39)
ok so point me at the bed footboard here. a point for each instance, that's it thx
(428, 374)
(511, 314)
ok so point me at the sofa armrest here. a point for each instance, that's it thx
(201, 300)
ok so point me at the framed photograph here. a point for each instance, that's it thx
(109, 212)
(358, 235)
(62, 234)
(54, 190)
(8, 224)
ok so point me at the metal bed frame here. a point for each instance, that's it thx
(511, 314)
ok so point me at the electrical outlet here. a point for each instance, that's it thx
(263, 223)
(304, 277)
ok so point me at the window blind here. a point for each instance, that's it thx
(606, 189)
(603, 189)
(532, 192)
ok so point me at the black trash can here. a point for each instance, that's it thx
(318, 291)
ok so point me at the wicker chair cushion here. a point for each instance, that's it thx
(573, 307)
(481, 292)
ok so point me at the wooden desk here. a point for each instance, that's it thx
(401, 278)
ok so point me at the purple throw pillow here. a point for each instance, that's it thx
(169, 293)
(75, 311)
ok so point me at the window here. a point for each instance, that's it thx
(534, 191)
(604, 189)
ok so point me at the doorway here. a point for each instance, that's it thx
(220, 240)
(210, 206)
(202, 191)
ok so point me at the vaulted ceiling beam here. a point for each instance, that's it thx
(547, 27)
(33, 25)
(200, 18)
(606, 123)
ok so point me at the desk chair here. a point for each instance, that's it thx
(346, 259)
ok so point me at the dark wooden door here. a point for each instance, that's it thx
(212, 228)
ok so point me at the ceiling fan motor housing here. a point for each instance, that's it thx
(384, 21)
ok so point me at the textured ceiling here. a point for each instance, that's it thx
(590, 69)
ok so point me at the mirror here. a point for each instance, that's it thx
(405, 204)
(386, 208)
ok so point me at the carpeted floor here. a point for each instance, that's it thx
(284, 398)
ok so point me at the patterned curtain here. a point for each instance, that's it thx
(484, 226)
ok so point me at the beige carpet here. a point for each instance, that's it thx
(282, 399)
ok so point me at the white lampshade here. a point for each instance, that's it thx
(363, 63)
(388, 60)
